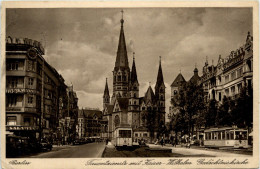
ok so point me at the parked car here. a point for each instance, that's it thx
(45, 145)
(13, 146)
(77, 142)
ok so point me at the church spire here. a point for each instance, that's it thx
(160, 75)
(159, 82)
(106, 97)
(133, 72)
(121, 58)
(106, 91)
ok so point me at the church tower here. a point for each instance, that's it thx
(160, 89)
(121, 73)
(106, 96)
(133, 107)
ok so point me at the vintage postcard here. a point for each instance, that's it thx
(129, 84)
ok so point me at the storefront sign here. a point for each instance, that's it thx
(21, 128)
(29, 91)
(14, 109)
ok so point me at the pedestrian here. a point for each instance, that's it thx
(176, 141)
(162, 141)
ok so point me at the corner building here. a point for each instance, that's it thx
(126, 108)
(33, 91)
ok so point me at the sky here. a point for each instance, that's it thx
(82, 43)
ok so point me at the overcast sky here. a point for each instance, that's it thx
(82, 43)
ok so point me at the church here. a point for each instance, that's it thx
(125, 108)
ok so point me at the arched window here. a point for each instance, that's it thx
(119, 78)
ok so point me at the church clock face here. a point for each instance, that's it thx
(32, 53)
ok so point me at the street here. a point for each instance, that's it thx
(74, 151)
(158, 151)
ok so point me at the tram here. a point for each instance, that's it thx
(123, 136)
(226, 137)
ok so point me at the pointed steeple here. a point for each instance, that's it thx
(149, 95)
(196, 70)
(159, 76)
(121, 58)
(106, 91)
(133, 72)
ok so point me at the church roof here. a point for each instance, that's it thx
(149, 95)
(121, 58)
(106, 91)
(123, 103)
(90, 113)
(178, 81)
(195, 78)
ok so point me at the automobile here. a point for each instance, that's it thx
(45, 145)
(13, 146)
(77, 142)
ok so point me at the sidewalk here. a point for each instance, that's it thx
(195, 151)
(56, 147)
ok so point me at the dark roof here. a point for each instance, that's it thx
(89, 113)
(123, 103)
(179, 80)
(194, 79)
(121, 58)
(149, 95)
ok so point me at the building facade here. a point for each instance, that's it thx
(90, 123)
(230, 74)
(126, 108)
(34, 91)
(226, 79)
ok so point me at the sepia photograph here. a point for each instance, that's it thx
(129, 82)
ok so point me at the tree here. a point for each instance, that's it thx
(224, 117)
(190, 104)
(211, 113)
(242, 111)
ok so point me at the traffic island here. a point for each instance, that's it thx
(137, 152)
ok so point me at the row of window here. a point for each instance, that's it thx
(17, 82)
(120, 78)
(235, 74)
(141, 135)
(27, 121)
(228, 135)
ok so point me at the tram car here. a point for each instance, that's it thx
(226, 137)
(123, 137)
